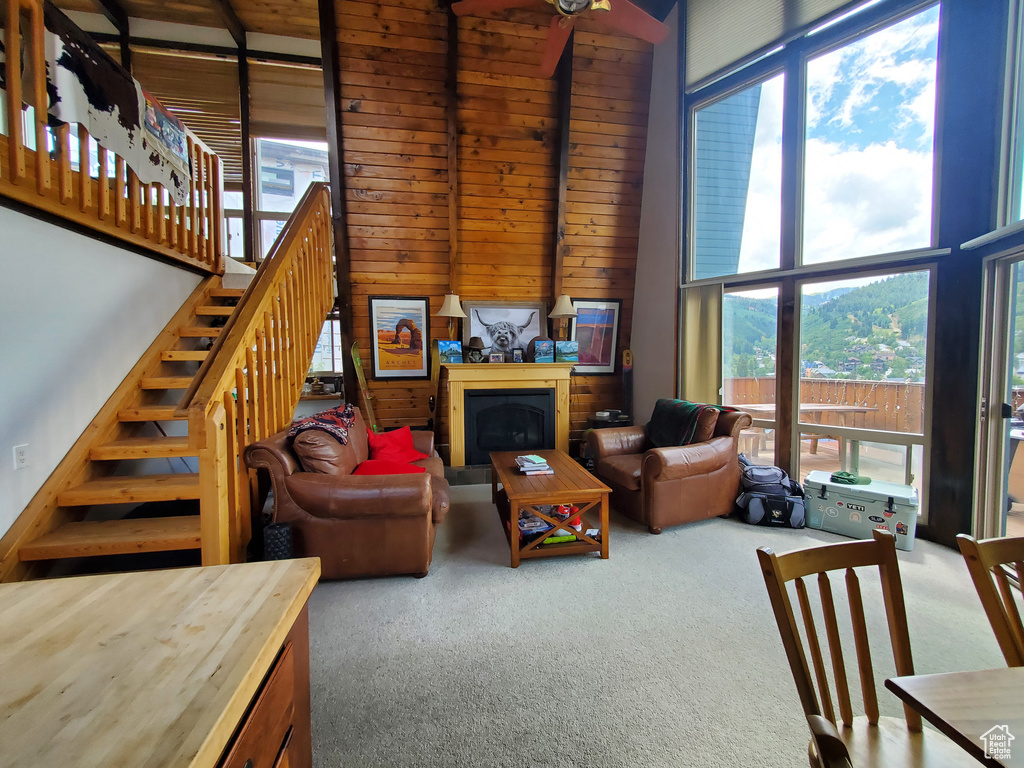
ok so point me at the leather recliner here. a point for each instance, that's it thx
(670, 486)
(372, 525)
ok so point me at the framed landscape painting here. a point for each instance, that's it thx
(503, 326)
(596, 329)
(399, 327)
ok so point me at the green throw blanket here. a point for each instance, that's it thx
(674, 422)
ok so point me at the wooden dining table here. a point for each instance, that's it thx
(982, 712)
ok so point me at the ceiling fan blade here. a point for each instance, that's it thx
(558, 36)
(478, 7)
(628, 18)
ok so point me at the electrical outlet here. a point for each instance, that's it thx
(20, 456)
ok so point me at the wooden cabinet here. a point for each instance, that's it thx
(199, 667)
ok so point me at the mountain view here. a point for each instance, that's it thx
(876, 331)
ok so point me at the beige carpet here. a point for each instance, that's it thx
(666, 654)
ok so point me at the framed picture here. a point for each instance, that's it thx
(450, 351)
(596, 329)
(517, 355)
(497, 357)
(503, 326)
(399, 327)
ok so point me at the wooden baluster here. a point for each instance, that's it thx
(860, 639)
(161, 214)
(172, 223)
(815, 648)
(288, 337)
(197, 174)
(280, 416)
(245, 476)
(183, 217)
(84, 170)
(103, 205)
(40, 98)
(202, 233)
(255, 427)
(219, 243)
(231, 451)
(835, 647)
(65, 180)
(16, 138)
(134, 201)
(120, 199)
(266, 378)
(149, 209)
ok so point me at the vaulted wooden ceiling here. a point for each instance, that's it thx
(291, 18)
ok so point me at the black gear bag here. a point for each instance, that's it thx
(769, 497)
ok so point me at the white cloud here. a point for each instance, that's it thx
(759, 247)
(862, 202)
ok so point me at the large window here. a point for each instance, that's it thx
(284, 170)
(870, 110)
(737, 182)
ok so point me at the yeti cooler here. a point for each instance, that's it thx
(856, 510)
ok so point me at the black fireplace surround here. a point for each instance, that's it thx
(508, 420)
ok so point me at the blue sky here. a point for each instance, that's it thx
(868, 156)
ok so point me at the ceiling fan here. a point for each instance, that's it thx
(620, 14)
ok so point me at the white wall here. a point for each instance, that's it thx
(75, 316)
(654, 299)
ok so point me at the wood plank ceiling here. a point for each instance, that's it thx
(503, 206)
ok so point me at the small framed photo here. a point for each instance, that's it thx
(497, 357)
(399, 336)
(449, 351)
(596, 329)
(517, 355)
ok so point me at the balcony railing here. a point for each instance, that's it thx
(65, 172)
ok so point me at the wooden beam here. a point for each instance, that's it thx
(329, 54)
(231, 21)
(563, 76)
(451, 89)
(118, 16)
(248, 188)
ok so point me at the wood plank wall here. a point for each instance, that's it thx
(393, 59)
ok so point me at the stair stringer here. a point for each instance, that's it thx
(43, 515)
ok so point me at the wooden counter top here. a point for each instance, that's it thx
(140, 669)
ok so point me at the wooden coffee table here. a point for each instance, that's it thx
(570, 484)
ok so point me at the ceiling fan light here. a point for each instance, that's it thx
(600, 5)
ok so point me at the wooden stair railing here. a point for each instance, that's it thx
(114, 202)
(241, 370)
(251, 382)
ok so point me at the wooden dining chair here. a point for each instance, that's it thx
(989, 562)
(869, 740)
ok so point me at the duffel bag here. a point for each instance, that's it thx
(771, 509)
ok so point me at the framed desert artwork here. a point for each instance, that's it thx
(504, 326)
(596, 329)
(400, 330)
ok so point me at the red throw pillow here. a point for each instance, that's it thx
(395, 445)
(384, 467)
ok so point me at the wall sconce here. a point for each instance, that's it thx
(563, 309)
(451, 308)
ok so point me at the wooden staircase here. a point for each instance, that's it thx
(146, 424)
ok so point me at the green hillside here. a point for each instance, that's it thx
(869, 332)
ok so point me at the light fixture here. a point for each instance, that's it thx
(563, 309)
(451, 308)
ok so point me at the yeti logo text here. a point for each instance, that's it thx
(997, 741)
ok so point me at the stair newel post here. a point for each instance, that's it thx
(214, 508)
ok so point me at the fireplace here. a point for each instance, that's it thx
(508, 420)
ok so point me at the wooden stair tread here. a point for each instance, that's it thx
(141, 448)
(198, 332)
(227, 293)
(115, 537)
(166, 382)
(212, 311)
(150, 413)
(172, 355)
(131, 490)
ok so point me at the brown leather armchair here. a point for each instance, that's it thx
(372, 525)
(670, 486)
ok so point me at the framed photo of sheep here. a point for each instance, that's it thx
(504, 326)
(596, 328)
(400, 336)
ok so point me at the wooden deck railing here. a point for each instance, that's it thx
(251, 381)
(898, 406)
(59, 179)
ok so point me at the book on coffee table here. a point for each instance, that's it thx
(533, 464)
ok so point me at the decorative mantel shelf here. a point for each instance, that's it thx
(463, 376)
